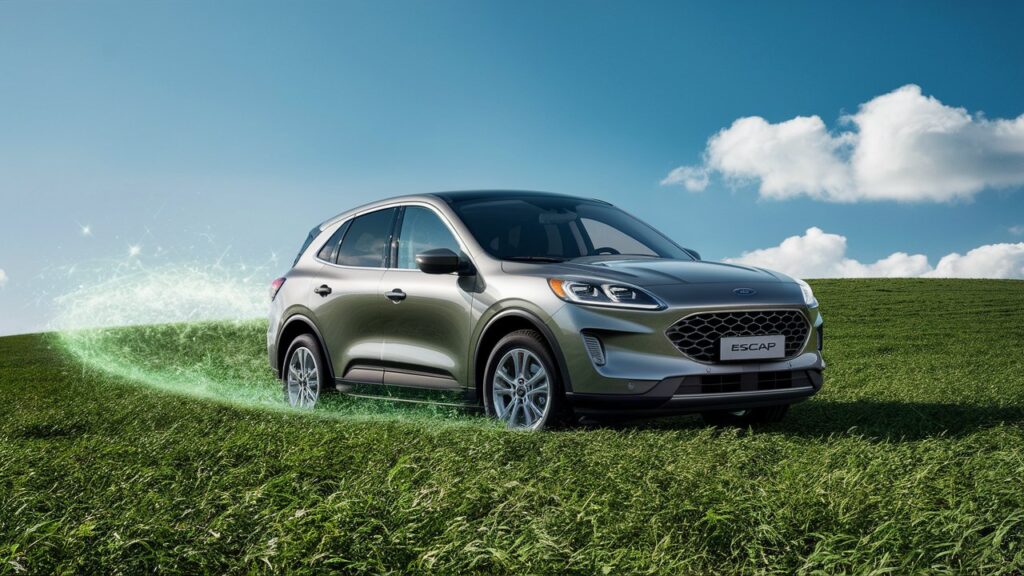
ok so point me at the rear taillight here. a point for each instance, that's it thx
(275, 287)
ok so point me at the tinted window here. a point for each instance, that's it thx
(422, 230)
(366, 241)
(330, 249)
(546, 227)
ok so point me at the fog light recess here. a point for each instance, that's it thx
(594, 348)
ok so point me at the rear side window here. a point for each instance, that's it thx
(330, 250)
(366, 241)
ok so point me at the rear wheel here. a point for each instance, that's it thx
(304, 373)
(750, 417)
(521, 384)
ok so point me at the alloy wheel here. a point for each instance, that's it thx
(521, 390)
(303, 379)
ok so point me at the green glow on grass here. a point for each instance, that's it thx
(191, 330)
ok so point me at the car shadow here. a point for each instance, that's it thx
(890, 421)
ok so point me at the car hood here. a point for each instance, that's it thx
(650, 272)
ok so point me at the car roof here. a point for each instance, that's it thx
(469, 195)
(457, 196)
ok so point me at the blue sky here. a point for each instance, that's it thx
(227, 129)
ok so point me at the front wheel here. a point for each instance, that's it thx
(521, 383)
(750, 417)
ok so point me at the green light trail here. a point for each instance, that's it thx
(190, 330)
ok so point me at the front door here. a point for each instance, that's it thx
(425, 318)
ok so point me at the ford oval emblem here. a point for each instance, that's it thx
(745, 291)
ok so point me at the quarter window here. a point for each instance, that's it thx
(330, 249)
(366, 241)
(422, 230)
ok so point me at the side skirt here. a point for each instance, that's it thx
(456, 398)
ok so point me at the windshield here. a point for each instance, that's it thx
(546, 228)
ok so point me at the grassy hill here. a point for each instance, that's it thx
(166, 449)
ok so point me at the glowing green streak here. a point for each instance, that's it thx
(220, 361)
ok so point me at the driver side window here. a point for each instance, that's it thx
(422, 230)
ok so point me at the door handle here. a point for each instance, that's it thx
(396, 295)
(323, 290)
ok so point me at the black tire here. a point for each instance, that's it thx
(555, 412)
(306, 342)
(744, 418)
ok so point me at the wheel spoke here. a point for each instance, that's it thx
(532, 380)
(516, 412)
(506, 382)
(527, 414)
(538, 413)
(541, 389)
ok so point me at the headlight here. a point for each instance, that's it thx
(597, 294)
(809, 298)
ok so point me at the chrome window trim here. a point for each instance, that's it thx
(442, 217)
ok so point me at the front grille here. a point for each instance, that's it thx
(698, 335)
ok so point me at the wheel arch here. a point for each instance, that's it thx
(503, 323)
(295, 326)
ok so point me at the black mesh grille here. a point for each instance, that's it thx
(698, 335)
(742, 382)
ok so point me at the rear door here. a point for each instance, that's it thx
(346, 301)
(425, 317)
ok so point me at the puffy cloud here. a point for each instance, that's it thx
(903, 146)
(818, 254)
(793, 157)
(3, 278)
(990, 261)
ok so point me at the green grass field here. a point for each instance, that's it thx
(177, 457)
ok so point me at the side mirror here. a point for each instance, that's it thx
(693, 253)
(438, 261)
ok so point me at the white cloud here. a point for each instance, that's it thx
(3, 278)
(1017, 230)
(818, 254)
(693, 178)
(990, 261)
(903, 146)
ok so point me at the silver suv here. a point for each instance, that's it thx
(537, 307)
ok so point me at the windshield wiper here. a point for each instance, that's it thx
(535, 259)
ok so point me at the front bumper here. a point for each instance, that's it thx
(643, 371)
(686, 394)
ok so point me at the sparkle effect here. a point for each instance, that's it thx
(195, 330)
